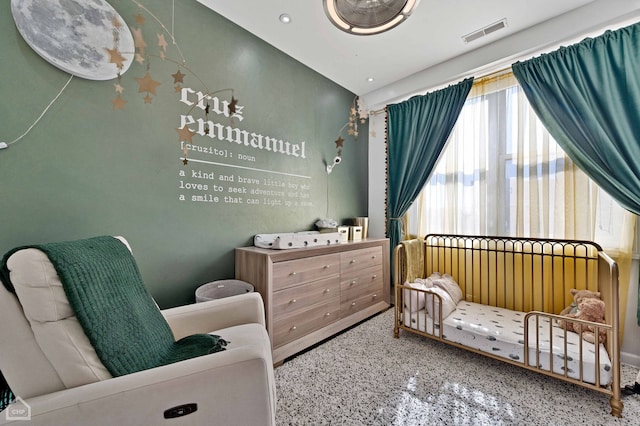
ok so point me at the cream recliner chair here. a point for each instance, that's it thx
(57, 376)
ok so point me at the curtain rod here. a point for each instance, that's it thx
(493, 74)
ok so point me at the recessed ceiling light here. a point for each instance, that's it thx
(285, 18)
(370, 79)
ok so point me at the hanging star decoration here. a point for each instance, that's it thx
(339, 145)
(118, 102)
(147, 84)
(162, 43)
(115, 57)
(185, 135)
(357, 115)
(232, 105)
(178, 78)
(139, 18)
(143, 54)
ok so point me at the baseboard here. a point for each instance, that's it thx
(631, 359)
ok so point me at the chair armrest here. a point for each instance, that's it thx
(213, 382)
(213, 315)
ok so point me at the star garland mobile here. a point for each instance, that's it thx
(147, 84)
(357, 115)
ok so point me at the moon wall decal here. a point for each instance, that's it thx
(74, 35)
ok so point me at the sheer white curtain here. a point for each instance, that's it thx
(501, 173)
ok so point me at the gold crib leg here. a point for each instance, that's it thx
(396, 329)
(616, 405)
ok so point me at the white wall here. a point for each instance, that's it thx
(377, 175)
(590, 20)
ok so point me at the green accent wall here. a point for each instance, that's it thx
(86, 169)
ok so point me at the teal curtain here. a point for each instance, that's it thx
(417, 131)
(588, 97)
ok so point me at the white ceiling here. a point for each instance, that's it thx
(427, 49)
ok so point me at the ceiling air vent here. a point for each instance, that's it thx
(486, 30)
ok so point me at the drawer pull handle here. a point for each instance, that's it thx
(328, 290)
(375, 295)
(352, 261)
(293, 273)
(294, 328)
(353, 303)
(374, 276)
(293, 301)
(328, 314)
(374, 256)
(327, 266)
(353, 282)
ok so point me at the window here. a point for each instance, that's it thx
(501, 173)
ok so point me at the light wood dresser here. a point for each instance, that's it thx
(313, 293)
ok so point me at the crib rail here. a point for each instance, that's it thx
(533, 319)
(515, 273)
(534, 276)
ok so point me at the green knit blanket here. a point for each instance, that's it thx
(104, 287)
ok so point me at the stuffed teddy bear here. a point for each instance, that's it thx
(578, 296)
(589, 309)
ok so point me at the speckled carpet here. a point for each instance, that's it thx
(366, 377)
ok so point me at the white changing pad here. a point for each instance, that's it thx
(501, 332)
(290, 240)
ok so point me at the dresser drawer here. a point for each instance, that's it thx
(293, 299)
(357, 299)
(293, 272)
(367, 277)
(291, 327)
(356, 260)
(351, 292)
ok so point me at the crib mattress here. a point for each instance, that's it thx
(500, 332)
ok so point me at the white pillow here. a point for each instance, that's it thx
(448, 284)
(415, 299)
(433, 303)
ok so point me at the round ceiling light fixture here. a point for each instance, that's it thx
(285, 18)
(368, 17)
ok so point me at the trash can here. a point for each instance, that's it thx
(222, 288)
